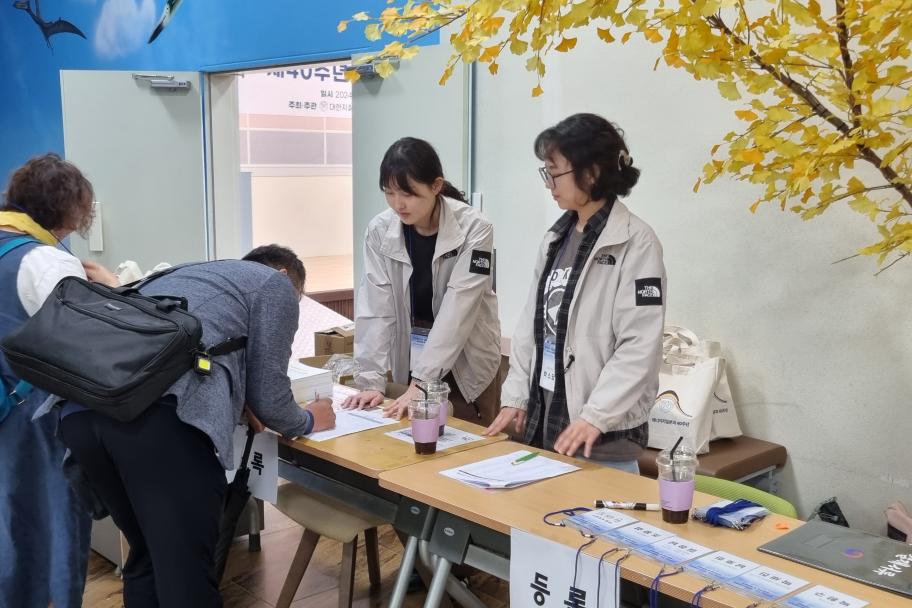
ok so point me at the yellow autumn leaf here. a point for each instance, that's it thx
(493, 68)
(385, 68)
(750, 156)
(729, 90)
(372, 31)
(518, 47)
(753, 208)
(745, 115)
(882, 107)
(864, 206)
(446, 75)
(343, 25)
(652, 35)
(605, 35)
(779, 113)
(362, 16)
(697, 183)
(565, 45)
(490, 53)
(626, 37)
(352, 75)
(537, 91)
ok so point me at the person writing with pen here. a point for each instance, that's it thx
(586, 351)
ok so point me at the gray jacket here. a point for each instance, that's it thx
(465, 338)
(235, 298)
(614, 339)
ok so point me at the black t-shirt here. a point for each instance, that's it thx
(421, 252)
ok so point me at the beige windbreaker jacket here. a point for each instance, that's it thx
(465, 338)
(615, 344)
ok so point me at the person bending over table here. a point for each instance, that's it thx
(426, 308)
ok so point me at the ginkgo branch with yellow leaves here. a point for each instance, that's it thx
(841, 80)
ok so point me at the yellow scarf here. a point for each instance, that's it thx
(22, 222)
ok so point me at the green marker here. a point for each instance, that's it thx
(525, 458)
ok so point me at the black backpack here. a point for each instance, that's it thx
(111, 349)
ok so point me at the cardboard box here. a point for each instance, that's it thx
(335, 340)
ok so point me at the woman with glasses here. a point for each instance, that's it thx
(586, 352)
(426, 307)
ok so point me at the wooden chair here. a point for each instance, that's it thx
(321, 516)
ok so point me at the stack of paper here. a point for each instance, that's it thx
(309, 382)
(510, 470)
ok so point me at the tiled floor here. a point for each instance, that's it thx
(253, 580)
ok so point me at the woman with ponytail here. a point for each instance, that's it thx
(584, 368)
(426, 307)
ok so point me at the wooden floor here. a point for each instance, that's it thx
(253, 580)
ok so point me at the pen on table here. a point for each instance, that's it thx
(525, 458)
(633, 506)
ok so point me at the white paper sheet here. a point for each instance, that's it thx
(451, 437)
(351, 421)
(824, 597)
(507, 472)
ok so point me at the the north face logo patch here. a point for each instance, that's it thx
(605, 259)
(648, 291)
(480, 262)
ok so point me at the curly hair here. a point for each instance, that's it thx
(595, 146)
(53, 192)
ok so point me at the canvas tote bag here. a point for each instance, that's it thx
(694, 399)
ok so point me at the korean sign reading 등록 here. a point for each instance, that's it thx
(542, 575)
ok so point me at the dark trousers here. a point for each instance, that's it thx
(164, 486)
(483, 410)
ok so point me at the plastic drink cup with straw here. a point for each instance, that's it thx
(677, 468)
(424, 414)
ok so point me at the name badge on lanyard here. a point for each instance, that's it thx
(546, 381)
(417, 340)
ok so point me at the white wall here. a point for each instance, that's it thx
(819, 353)
(310, 214)
(408, 103)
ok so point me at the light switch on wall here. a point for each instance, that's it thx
(96, 235)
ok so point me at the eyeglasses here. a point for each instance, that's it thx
(549, 177)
